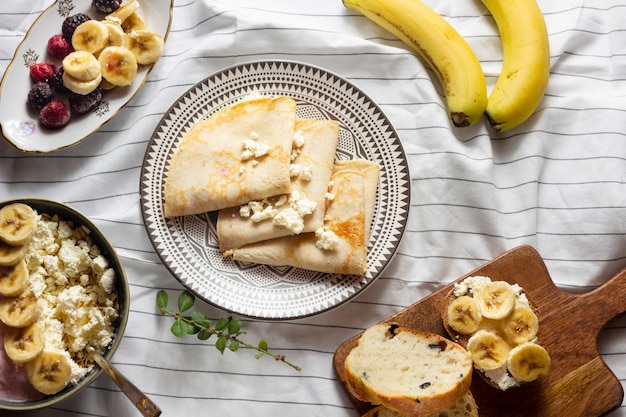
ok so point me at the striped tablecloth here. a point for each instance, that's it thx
(557, 183)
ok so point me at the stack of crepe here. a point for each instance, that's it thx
(207, 173)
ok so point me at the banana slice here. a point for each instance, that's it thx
(13, 279)
(81, 87)
(17, 223)
(49, 372)
(528, 361)
(146, 45)
(90, 36)
(496, 300)
(116, 33)
(126, 9)
(11, 255)
(463, 315)
(20, 311)
(521, 325)
(81, 66)
(134, 22)
(118, 65)
(23, 344)
(489, 351)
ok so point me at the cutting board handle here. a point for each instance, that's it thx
(607, 301)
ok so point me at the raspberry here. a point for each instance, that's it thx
(56, 81)
(71, 23)
(106, 6)
(83, 103)
(54, 115)
(58, 46)
(41, 71)
(39, 95)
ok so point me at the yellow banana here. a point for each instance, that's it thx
(526, 62)
(440, 46)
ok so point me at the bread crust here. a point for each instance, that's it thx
(410, 404)
(465, 407)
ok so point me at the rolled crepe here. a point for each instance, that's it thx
(215, 165)
(348, 216)
(315, 158)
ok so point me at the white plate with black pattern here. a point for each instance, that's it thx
(188, 245)
(18, 121)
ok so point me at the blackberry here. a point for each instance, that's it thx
(56, 81)
(39, 95)
(71, 23)
(106, 6)
(54, 115)
(83, 103)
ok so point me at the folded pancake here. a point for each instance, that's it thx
(313, 156)
(239, 154)
(341, 245)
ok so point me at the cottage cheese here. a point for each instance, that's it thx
(76, 287)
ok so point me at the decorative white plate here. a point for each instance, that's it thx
(188, 245)
(18, 121)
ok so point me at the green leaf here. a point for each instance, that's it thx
(263, 345)
(221, 344)
(162, 299)
(179, 328)
(222, 323)
(234, 346)
(185, 301)
(204, 334)
(234, 326)
(198, 316)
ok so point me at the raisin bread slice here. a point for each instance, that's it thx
(408, 371)
(465, 407)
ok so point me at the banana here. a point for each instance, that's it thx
(90, 36)
(528, 361)
(116, 33)
(440, 46)
(463, 315)
(118, 65)
(526, 62)
(496, 300)
(126, 9)
(49, 372)
(134, 22)
(13, 279)
(17, 223)
(489, 351)
(20, 311)
(23, 344)
(81, 66)
(81, 87)
(11, 255)
(521, 325)
(146, 45)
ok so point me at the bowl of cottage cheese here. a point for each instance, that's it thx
(63, 294)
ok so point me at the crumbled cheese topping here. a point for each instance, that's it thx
(253, 149)
(76, 288)
(326, 239)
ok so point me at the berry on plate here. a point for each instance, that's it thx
(54, 115)
(71, 23)
(41, 71)
(58, 46)
(39, 95)
(83, 103)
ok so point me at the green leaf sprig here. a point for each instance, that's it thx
(227, 329)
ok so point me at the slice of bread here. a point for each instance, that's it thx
(408, 371)
(465, 407)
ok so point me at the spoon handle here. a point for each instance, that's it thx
(141, 401)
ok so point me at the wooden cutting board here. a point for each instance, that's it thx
(579, 382)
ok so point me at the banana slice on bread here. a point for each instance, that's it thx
(496, 322)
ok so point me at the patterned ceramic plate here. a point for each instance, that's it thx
(188, 245)
(19, 122)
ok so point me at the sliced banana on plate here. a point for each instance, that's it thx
(17, 223)
(14, 279)
(126, 9)
(496, 300)
(464, 315)
(489, 351)
(81, 66)
(11, 255)
(49, 372)
(528, 361)
(90, 36)
(20, 311)
(146, 45)
(134, 22)
(116, 33)
(118, 65)
(521, 325)
(23, 344)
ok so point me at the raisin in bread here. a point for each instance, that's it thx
(465, 407)
(408, 371)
